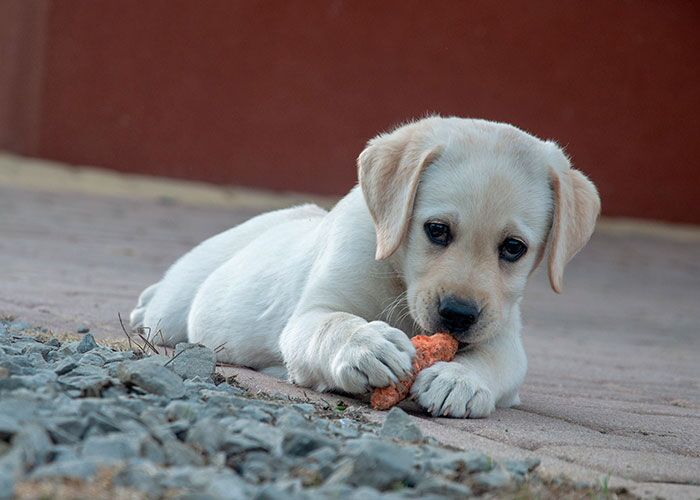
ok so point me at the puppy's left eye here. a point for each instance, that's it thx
(438, 233)
(511, 249)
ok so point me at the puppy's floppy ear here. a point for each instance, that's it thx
(389, 170)
(576, 209)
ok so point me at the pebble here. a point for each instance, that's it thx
(152, 377)
(9, 426)
(73, 469)
(65, 365)
(441, 487)
(206, 435)
(82, 329)
(18, 326)
(113, 446)
(86, 344)
(227, 484)
(301, 443)
(140, 475)
(494, 479)
(193, 360)
(377, 463)
(520, 468)
(177, 453)
(67, 429)
(398, 425)
(67, 410)
(7, 484)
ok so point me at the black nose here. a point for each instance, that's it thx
(457, 315)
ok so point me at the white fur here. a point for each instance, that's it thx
(300, 289)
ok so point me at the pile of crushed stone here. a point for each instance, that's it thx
(82, 419)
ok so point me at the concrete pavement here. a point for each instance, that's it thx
(614, 381)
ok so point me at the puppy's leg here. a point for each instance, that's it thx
(476, 382)
(137, 316)
(335, 350)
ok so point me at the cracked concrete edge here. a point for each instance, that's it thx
(550, 466)
(43, 175)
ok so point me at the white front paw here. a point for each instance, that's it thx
(451, 390)
(376, 355)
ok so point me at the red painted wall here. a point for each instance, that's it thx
(284, 94)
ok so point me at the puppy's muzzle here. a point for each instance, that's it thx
(456, 315)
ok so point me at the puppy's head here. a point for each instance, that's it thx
(466, 210)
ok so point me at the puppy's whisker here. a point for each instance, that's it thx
(407, 315)
(397, 310)
(394, 306)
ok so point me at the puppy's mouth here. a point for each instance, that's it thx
(463, 346)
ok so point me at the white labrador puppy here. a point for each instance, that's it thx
(450, 218)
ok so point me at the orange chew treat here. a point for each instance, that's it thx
(429, 350)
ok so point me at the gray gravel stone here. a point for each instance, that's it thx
(140, 475)
(75, 469)
(82, 329)
(38, 380)
(37, 347)
(343, 427)
(112, 446)
(375, 463)
(258, 467)
(292, 420)
(61, 453)
(441, 487)
(494, 479)
(18, 326)
(21, 408)
(90, 358)
(193, 360)
(226, 484)
(470, 461)
(257, 413)
(266, 436)
(65, 365)
(521, 468)
(7, 484)
(151, 377)
(33, 443)
(398, 425)
(300, 443)
(179, 477)
(99, 423)
(152, 451)
(67, 429)
(304, 408)
(86, 343)
(9, 426)
(207, 435)
(274, 492)
(183, 410)
(236, 444)
(177, 453)
(110, 356)
(88, 379)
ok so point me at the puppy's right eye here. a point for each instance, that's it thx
(438, 233)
